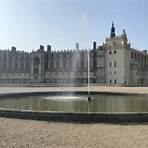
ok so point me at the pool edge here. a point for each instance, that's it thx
(76, 117)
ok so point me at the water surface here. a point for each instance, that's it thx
(78, 103)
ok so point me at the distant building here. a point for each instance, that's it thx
(114, 62)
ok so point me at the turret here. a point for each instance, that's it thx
(124, 34)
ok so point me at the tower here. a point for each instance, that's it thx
(117, 58)
(112, 34)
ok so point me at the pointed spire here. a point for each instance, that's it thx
(112, 34)
(112, 24)
(124, 37)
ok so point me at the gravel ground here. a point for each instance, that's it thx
(15, 133)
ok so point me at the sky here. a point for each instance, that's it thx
(27, 24)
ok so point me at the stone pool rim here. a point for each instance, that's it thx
(89, 117)
(19, 94)
(78, 117)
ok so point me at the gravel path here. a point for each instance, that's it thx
(15, 133)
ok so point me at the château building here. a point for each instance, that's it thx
(114, 62)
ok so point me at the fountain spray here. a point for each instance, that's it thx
(88, 77)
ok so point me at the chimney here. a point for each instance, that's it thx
(145, 51)
(94, 45)
(77, 45)
(48, 48)
(41, 47)
(13, 49)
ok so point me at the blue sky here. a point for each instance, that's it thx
(28, 23)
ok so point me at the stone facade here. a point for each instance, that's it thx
(63, 67)
(114, 62)
(14, 66)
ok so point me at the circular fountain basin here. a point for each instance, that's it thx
(77, 108)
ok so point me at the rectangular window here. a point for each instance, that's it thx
(115, 81)
(115, 64)
(110, 81)
(110, 64)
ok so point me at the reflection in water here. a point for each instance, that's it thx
(99, 103)
(67, 98)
